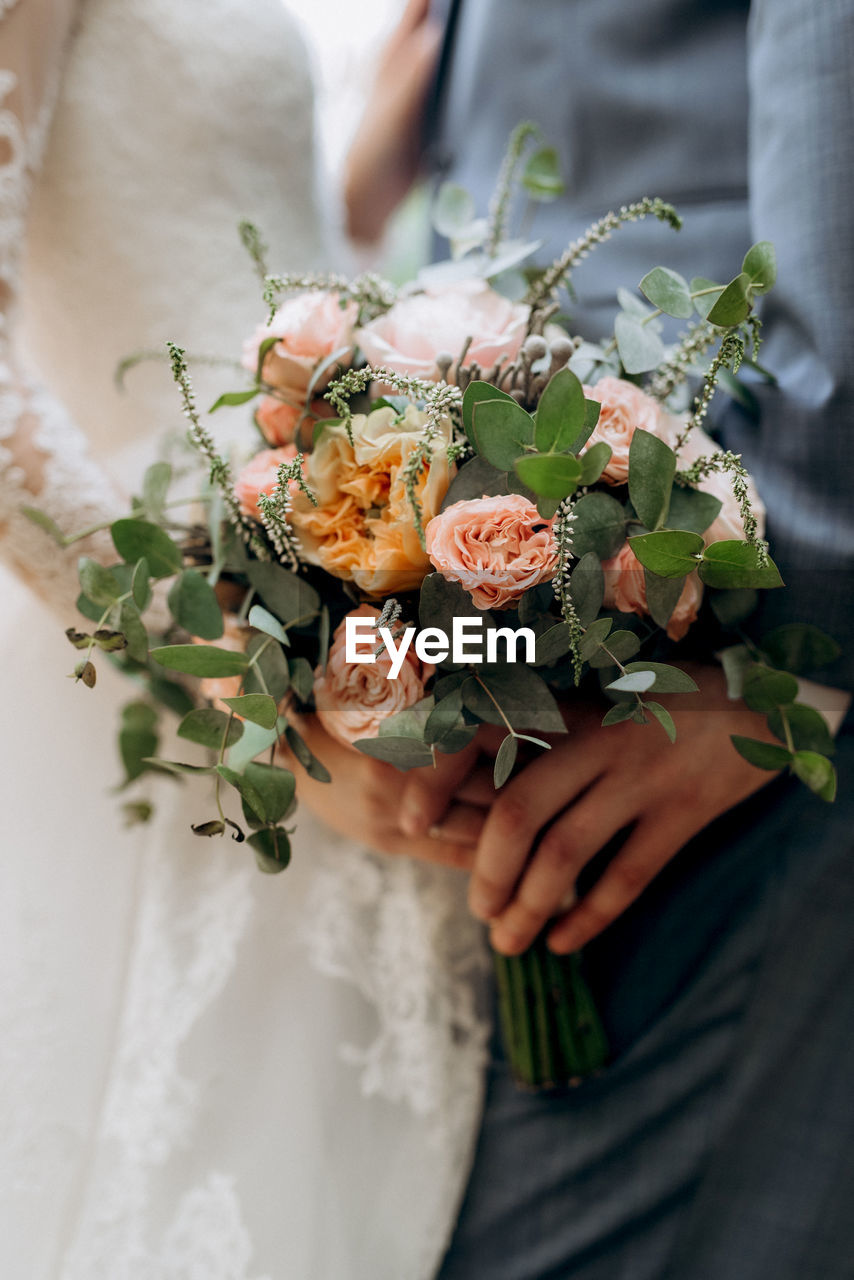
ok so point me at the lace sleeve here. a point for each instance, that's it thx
(43, 456)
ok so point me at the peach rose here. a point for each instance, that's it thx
(235, 638)
(279, 420)
(353, 699)
(625, 590)
(362, 529)
(729, 523)
(625, 408)
(309, 328)
(496, 548)
(259, 476)
(417, 329)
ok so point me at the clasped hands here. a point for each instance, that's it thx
(526, 844)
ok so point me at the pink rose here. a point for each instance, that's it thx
(729, 523)
(417, 329)
(625, 590)
(309, 328)
(625, 408)
(260, 475)
(353, 699)
(496, 548)
(279, 420)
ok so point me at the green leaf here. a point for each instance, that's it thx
(323, 633)
(662, 595)
(622, 645)
(733, 607)
(560, 414)
(445, 717)
(474, 394)
(505, 760)
(524, 698)
(302, 678)
(541, 175)
(99, 585)
(309, 761)
(45, 522)
(639, 347)
(502, 431)
(403, 753)
(550, 475)
(671, 553)
(194, 606)
(201, 660)
(139, 585)
(285, 594)
(235, 398)
(704, 304)
(245, 789)
(667, 679)
(692, 509)
(599, 525)
(593, 462)
(764, 688)
(587, 587)
(807, 726)
(269, 672)
(408, 723)
(733, 306)
(272, 848)
(664, 718)
(155, 486)
(732, 563)
(817, 772)
(594, 636)
(441, 601)
(134, 539)
(453, 210)
(592, 409)
(133, 629)
(259, 708)
(262, 620)
(477, 478)
(137, 738)
(619, 712)
(799, 647)
(763, 755)
(760, 265)
(208, 727)
(633, 682)
(668, 291)
(255, 740)
(552, 644)
(170, 694)
(652, 466)
(275, 786)
(178, 767)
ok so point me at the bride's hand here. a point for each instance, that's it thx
(366, 799)
(559, 811)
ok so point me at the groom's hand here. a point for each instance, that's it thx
(565, 806)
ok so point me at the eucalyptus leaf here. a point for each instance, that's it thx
(262, 620)
(201, 660)
(639, 347)
(275, 786)
(733, 306)
(817, 772)
(668, 291)
(259, 708)
(710, 292)
(731, 563)
(760, 265)
(587, 587)
(268, 670)
(541, 175)
(807, 726)
(137, 738)
(764, 688)
(549, 475)
(475, 393)
(272, 848)
(799, 647)
(133, 629)
(302, 678)
(652, 466)
(309, 761)
(662, 595)
(505, 760)
(619, 712)
(245, 789)
(445, 716)
(232, 398)
(733, 607)
(502, 431)
(193, 604)
(664, 718)
(560, 413)
(763, 755)
(692, 509)
(134, 539)
(552, 644)
(210, 728)
(155, 486)
(593, 462)
(524, 698)
(599, 525)
(670, 553)
(667, 679)
(621, 646)
(593, 637)
(403, 753)
(633, 682)
(140, 588)
(592, 410)
(289, 597)
(99, 585)
(179, 767)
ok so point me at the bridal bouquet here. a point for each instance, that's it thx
(456, 512)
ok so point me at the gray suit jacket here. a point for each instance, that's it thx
(742, 115)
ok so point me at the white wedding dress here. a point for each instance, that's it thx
(206, 1073)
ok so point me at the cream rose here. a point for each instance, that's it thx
(363, 528)
(353, 699)
(417, 329)
(308, 327)
(496, 548)
(260, 475)
(625, 590)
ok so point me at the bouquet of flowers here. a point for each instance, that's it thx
(456, 513)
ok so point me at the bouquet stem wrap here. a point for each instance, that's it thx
(553, 1035)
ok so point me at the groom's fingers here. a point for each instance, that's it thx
(570, 842)
(428, 792)
(462, 824)
(522, 807)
